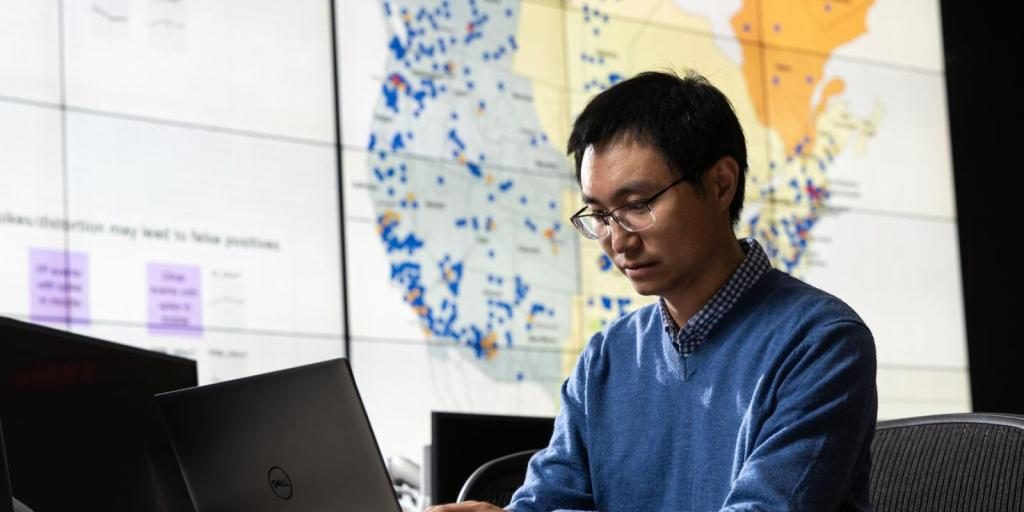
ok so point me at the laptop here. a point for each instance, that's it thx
(291, 440)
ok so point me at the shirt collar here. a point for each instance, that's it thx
(754, 265)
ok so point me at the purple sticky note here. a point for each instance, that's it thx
(59, 282)
(175, 301)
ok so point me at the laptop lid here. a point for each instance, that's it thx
(291, 440)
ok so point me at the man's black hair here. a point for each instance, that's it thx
(686, 119)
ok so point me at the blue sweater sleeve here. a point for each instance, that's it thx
(815, 439)
(558, 477)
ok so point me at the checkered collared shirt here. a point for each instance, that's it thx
(687, 339)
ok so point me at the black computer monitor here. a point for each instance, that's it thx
(80, 422)
(460, 443)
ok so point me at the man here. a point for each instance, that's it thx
(743, 388)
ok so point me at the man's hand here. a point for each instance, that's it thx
(467, 506)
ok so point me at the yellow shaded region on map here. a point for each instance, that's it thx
(785, 71)
(541, 58)
(662, 12)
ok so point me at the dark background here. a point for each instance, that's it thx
(982, 47)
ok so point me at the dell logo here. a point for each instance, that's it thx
(280, 483)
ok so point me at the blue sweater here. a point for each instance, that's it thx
(775, 411)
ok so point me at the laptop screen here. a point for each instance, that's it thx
(79, 417)
(296, 439)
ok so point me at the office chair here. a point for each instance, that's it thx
(496, 481)
(969, 461)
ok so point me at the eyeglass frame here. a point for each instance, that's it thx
(603, 217)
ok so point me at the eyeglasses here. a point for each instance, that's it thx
(633, 217)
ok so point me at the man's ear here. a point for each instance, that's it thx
(722, 179)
